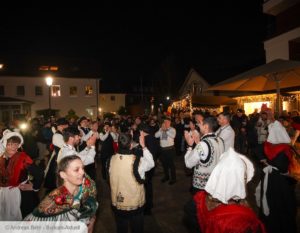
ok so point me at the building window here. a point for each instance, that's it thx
(20, 90)
(38, 90)
(55, 90)
(2, 91)
(88, 90)
(73, 91)
(45, 68)
(112, 98)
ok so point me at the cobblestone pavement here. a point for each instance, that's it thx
(169, 200)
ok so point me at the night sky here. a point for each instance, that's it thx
(127, 47)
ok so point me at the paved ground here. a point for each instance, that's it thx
(168, 203)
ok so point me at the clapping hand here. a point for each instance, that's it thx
(192, 138)
(163, 127)
(92, 140)
(196, 136)
(189, 138)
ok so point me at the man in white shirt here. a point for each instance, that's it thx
(203, 159)
(205, 156)
(225, 131)
(166, 134)
(83, 127)
(71, 137)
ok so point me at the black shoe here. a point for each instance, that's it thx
(163, 180)
(171, 182)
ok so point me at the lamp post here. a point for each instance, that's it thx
(98, 109)
(49, 82)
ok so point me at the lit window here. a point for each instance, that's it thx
(44, 68)
(38, 90)
(73, 91)
(20, 90)
(285, 105)
(54, 68)
(88, 90)
(250, 107)
(55, 90)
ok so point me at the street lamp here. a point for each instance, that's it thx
(49, 82)
(98, 109)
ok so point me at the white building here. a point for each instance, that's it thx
(79, 94)
(285, 41)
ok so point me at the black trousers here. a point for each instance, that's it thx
(190, 217)
(149, 189)
(167, 160)
(29, 201)
(104, 163)
(134, 221)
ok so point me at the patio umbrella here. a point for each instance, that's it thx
(212, 100)
(271, 76)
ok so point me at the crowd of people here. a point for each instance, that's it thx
(49, 172)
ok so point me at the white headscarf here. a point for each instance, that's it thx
(227, 180)
(7, 134)
(277, 133)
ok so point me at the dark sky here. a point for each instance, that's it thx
(125, 46)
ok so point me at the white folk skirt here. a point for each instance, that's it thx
(10, 203)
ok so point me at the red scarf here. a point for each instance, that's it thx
(226, 218)
(15, 169)
(295, 125)
(272, 150)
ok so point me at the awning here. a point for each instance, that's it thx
(212, 101)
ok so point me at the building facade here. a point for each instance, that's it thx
(79, 94)
(284, 41)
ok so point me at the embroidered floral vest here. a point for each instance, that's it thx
(126, 193)
(203, 170)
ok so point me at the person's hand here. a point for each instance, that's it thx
(196, 136)
(189, 139)
(163, 127)
(264, 162)
(81, 133)
(243, 130)
(91, 224)
(107, 129)
(92, 140)
(26, 187)
(142, 139)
